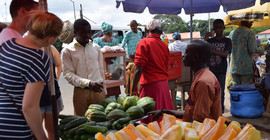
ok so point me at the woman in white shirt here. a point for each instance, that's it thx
(177, 45)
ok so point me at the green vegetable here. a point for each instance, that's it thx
(148, 99)
(75, 123)
(135, 112)
(81, 131)
(67, 120)
(106, 101)
(62, 116)
(120, 122)
(107, 124)
(116, 114)
(95, 129)
(111, 106)
(129, 102)
(87, 137)
(120, 100)
(96, 107)
(73, 130)
(147, 105)
(95, 115)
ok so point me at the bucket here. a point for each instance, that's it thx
(246, 101)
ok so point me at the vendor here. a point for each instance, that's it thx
(205, 94)
(152, 62)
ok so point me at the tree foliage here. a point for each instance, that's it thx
(174, 23)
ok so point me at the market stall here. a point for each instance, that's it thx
(114, 65)
(120, 120)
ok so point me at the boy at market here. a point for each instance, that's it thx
(204, 99)
(83, 68)
(221, 46)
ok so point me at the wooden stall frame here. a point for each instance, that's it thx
(113, 86)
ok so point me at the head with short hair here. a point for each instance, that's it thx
(198, 52)
(218, 21)
(134, 26)
(44, 24)
(219, 27)
(15, 6)
(176, 36)
(82, 31)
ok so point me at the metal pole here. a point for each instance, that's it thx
(48, 51)
(74, 9)
(81, 12)
(191, 31)
(209, 24)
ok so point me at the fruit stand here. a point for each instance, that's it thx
(118, 120)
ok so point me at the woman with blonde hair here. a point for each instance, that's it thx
(23, 72)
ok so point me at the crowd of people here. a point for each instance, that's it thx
(24, 73)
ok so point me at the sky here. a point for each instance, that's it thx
(99, 11)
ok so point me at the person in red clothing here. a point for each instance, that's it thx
(152, 60)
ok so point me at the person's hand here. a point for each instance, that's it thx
(96, 87)
(208, 35)
(156, 113)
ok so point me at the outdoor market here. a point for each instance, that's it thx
(144, 81)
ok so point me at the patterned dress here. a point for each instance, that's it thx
(131, 39)
(102, 43)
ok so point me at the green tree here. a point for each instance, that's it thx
(172, 23)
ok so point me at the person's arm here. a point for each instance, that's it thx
(124, 41)
(137, 77)
(219, 53)
(58, 63)
(31, 109)
(158, 113)
(69, 71)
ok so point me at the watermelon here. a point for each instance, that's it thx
(111, 106)
(135, 112)
(129, 102)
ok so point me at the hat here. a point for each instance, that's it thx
(106, 28)
(154, 24)
(176, 36)
(67, 33)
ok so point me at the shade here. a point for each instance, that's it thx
(259, 14)
(175, 6)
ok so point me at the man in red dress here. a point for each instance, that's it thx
(152, 60)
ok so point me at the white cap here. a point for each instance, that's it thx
(154, 24)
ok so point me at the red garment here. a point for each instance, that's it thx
(204, 98)
(153, 55)
(159, 91)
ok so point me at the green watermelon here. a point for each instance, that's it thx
(120, 100)
(147, 105)
(135, 112)
(129, 102)
(145, 99)
(111, 106)
(106, 101)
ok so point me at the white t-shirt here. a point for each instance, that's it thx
(9, 33)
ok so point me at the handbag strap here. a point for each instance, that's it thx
(5, 90)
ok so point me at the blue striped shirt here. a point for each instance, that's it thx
(19, 65)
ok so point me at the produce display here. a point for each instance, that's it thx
(172, 129)
(108, 115)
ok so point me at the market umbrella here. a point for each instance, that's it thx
(43, 6)
(259, 14)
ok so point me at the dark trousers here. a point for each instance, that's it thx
(221, 77)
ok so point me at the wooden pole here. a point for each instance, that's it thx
(51, 86)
